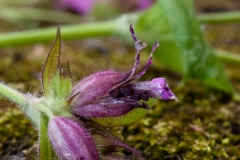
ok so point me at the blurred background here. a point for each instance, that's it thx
(198, 55)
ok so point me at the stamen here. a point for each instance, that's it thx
(148, 63)
(132, 32)
(138, 47)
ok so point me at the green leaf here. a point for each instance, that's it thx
(153, 25)
(61, 86)
(128, 118)
(182, 46)
(56, 82)
(201, 63)
(51, 67)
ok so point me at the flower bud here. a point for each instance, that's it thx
(70, 140)
(96, 85)
(109, 107)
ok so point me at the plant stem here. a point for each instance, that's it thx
(48, 34)
(222, 17)
(45, 110)
(228, 56)
(27, 13)
(45, 147)
(96, 29)
(22, 101)
(13, 95)
(92, 30)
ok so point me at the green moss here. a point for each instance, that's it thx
(190, 129)
(205, 124)
(16, 132)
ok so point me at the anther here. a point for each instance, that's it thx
(126, 91)
(134, 97)
(114, 93)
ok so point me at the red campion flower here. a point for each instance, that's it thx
(104, 94)
(111, 93)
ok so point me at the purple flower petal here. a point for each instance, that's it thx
(157, 88)
(107, 139)
(100, 83)
(110, 94)
(109, 107)
(96, 85)
(70, 140)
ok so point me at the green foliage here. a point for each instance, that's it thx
(51, 67)
(192, 129)
(61, 86)
(125, 119)
(55, 82)
(15, 131)
(183, 47)
(128, 118)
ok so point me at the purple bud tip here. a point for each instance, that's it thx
(133, 34)
(161, 89)
(157, 88)
(70, 140)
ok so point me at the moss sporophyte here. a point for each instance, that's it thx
(69, 118)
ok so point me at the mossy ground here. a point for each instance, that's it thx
(204, 125)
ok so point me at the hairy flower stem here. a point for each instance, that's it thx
(32, 107)
(22, 101)
(45, 110)
(13, 95)
(28, 104)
